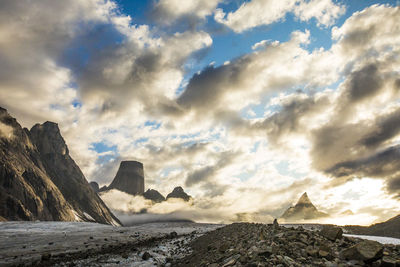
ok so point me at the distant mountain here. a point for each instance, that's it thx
(153, 195)
(303, 210)
(390, 228)
(178, 192)
(40, 181)
(129, 178)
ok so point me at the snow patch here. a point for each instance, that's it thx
(380, 239)
(6, 131)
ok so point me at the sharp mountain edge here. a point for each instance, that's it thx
(40, 181)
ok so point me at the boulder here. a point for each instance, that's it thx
(331, 232)
(367, 251)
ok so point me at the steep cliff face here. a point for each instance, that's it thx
(129, 178)
(95, 186)
(303, 210)
(26, 190)
(66, 175)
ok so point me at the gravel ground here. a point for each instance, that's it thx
(90, 244)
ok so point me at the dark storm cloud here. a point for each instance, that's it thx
(364, 83)
(206, 173)
(388, 126)
(381, 164)
(384, 165)
(287, 120)
(393, 185)
(205, 89)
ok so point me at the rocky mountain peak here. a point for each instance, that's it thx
(40, 181)
(303, 210)
(49, 139)
(129, 178)
(153, 195)
(304, 200)
(178, 192)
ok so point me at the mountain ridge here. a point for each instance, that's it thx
(40, 181)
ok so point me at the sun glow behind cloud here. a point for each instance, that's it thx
(245, 138)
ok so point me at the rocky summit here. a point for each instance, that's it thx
(246, 244)
(153, 195)
(178, 192)
(303, 210)
(129, 178)
(40, 181)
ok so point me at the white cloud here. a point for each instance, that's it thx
(201, 135)
(167, 11)
(264, 12)
(324, 11)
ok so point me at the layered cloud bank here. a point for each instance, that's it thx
(244, 137)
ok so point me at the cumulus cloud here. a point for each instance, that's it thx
(245, 80)
(264, 12)
(329, 114)
(167, 11)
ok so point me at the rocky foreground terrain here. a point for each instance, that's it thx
(92, 244)
(245, 244)
(186, 244)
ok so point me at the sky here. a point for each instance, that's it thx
(245, 104)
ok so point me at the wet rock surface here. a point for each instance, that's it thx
(245, 244)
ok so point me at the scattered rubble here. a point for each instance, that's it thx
(247, 244)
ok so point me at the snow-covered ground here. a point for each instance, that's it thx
(380, 239)
(27, 242)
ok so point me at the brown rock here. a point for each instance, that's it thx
(367, 251)
(332, 232)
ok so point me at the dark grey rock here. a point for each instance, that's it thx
(146, 256)
(95, 186)
(153, 195)
(178, 192)
(129, 178)
(332, 232)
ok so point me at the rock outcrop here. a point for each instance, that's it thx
(153, 195)
(26, 190)
(178, 192)
(40, 181)
(303, 210)
(129, 178)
